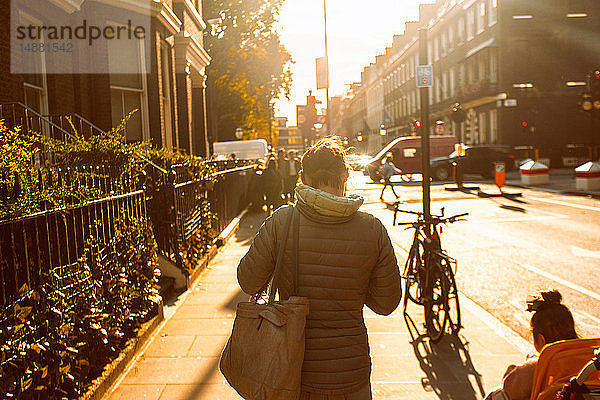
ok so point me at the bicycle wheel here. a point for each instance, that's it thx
(453, 313)
(435, 299)
(414, 273)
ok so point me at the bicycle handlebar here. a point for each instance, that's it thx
(435, 220)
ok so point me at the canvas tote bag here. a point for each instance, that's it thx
(263, 357)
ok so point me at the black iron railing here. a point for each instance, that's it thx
(230, 193)
(181, 210)
(32, 246)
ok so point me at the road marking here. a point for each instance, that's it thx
(563, 282)
(580, 252)
(582, 316)
(564, 203)
(520, 219)
(548, 275)
(497, 326)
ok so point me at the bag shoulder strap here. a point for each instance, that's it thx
(295, 250)
(276, 272)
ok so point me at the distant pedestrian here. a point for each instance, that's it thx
(344, 261)
(387, 170)
(271, 180)
(551, 322)
(292, 179)
(283, 166)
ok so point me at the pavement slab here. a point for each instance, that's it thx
(181, 361)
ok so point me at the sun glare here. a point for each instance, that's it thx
(356, 32)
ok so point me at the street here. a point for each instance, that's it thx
(509, 249)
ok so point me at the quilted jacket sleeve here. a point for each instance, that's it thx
(385, 290)
(256, 267)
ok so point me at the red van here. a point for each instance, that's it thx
(406, 151)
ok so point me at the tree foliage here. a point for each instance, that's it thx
(250, 68)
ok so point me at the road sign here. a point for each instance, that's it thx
(510, 103)
(440, 129)
(424, 76)
(500, 174)
(322, 73)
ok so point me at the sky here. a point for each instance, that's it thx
(357, 30)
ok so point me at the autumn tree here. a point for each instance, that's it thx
(250, 68)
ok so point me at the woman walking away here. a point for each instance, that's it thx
(551, 322)
(344, 261)
(388, 169)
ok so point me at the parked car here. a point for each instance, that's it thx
(358, 161)
(243, 149)
(477, 160)
(406, 153)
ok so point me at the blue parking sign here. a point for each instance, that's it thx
(424, 76)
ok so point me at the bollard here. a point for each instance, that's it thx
(534, 173)
(457, 174)
(587, 176)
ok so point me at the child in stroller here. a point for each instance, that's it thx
(551, 322)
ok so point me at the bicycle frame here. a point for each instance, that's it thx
(428, 271)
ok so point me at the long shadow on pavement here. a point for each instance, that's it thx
(447, 364)
(201, 385)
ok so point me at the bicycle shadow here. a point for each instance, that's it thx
(449, 370)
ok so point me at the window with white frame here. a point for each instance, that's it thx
(436, 49)
(443, 44)
(470, 23)
(128, 92)
(481, 17)
(483, 131)
(418, 100)
(494, 126)
(492, 12)
(412, 66)
(165, 73)
(437, 88)
(493, 64)
(414, 101)
(429, 52)
(35, 85)
(450, 37)
(470, 72)
(483, 66)
(444, 85)
(451, 77)
(460, 33)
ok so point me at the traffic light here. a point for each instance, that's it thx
(307, 117)
(415, 125)
(458, 113)
(595, 90)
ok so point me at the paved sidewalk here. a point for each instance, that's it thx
(181, 361)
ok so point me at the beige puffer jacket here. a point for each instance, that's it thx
(345, 260)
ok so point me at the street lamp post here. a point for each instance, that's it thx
(327, 116)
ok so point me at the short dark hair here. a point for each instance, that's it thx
(324, 164)
(553, 319)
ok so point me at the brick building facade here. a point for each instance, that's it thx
(168, 88)
(518, 69)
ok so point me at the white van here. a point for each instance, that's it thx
(243, 149)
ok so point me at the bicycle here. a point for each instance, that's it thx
(429, 275)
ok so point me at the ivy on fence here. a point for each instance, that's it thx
(56, 339)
